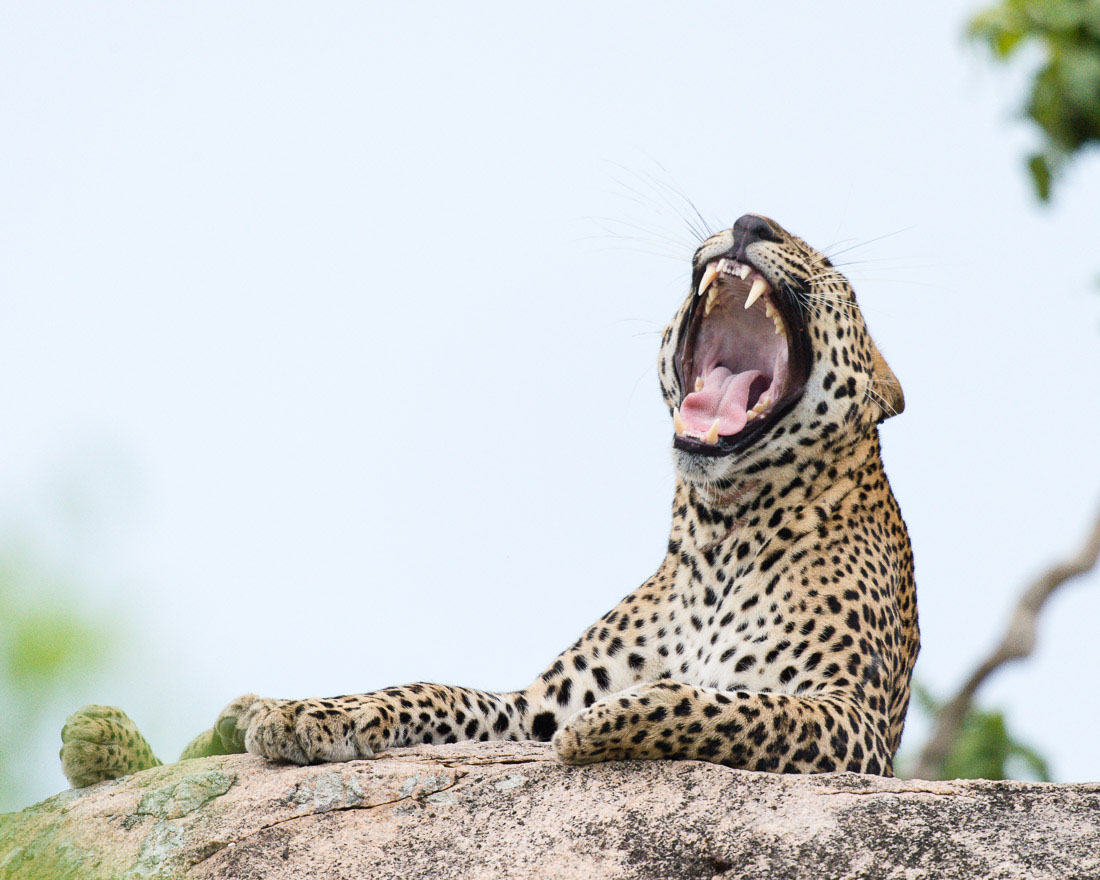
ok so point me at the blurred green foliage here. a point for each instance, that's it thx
(46, 646)
(984, 747)
(1064, 101)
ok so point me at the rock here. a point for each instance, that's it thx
(508, 810)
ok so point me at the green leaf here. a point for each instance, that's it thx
(1041, 176)
(1001, 28)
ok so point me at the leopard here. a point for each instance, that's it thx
(780, 629)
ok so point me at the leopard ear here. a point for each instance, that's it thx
(885, 387)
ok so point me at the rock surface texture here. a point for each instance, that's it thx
(508, 810)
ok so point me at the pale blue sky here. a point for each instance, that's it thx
(320, 301)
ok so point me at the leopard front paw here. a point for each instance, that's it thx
(586, 738)
(310, 731)
(641, 722)
(101, 742)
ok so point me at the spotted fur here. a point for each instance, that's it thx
(779, 633)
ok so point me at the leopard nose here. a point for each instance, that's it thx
(752, 228)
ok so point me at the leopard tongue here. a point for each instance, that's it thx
(725, 397)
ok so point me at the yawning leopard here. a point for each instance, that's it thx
(779, 632)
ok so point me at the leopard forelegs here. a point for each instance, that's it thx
(359, 726)
(754, 731)
(348, 727)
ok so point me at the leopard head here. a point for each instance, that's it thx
(768, 361)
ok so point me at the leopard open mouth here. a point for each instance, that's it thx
(743, 360)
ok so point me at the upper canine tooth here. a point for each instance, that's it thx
(709, 274)
(712, 298)
(677, 422)
(712, 435)
(759, 288)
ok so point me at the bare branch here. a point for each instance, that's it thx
(1018, 642)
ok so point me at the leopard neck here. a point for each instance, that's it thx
(703, 517)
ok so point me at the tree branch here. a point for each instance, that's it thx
(1018, 642)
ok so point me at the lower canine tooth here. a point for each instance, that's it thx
(712, 435)
(712, 298)
(699, 383)
(677, 422)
